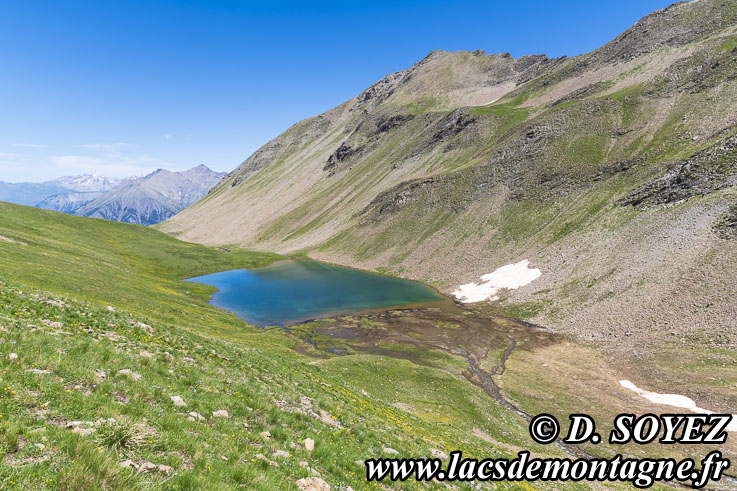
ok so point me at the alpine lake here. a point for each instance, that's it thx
(296, 290)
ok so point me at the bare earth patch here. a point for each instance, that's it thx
(12, 241)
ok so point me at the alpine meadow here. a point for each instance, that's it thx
(465, 244)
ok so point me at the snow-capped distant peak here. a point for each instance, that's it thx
(87, 183)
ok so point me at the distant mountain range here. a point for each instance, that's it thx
(88, 183)
(152, 198)
(33, 193)
(69, 202)
(29, 193)
(143, 200)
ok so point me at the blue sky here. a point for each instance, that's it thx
(121, 88)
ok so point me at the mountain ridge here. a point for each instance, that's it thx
(465, 162)
(88, 183)
(143, 200)
(152, 198)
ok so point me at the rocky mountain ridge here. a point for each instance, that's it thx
(465, 162)
(143, 200)
(152, 198)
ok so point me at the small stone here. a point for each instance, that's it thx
(280, 454)
(149, 330)
(222, 413)
(147, 467)
(309, 444)
(36, 371)
(165, 468)
(438, 454)
(265, 435)
(303, 463)
(313, 484)
(39, 446)
(110, 308)
(389, 450)
(364, 392)
(145, 354)
(112, 336)
(74, 424)
(178, 401)
(82, 431)
(245, 425)
(56, 303)
(13, 356)
(266, 459)
(128, 463)
(196, 416)
(99, 373)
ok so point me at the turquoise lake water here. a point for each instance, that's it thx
(297, 290)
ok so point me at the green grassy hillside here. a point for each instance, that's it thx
(98, 334)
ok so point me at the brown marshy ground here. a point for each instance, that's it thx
(530, 370)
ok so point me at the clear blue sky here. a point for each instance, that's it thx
(123, 87)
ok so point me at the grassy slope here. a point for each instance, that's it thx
(59, 273)
(117, 264)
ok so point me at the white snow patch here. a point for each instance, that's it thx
(511, 277)
(674, 400)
